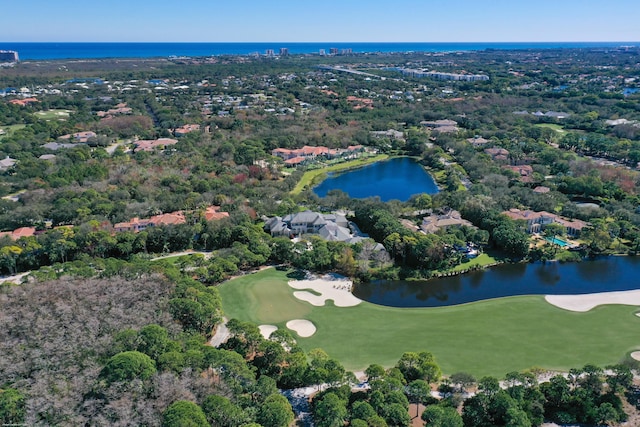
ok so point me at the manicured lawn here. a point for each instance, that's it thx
(53, 114)
(481, 260)
(485, 338)
(309, 176)
(553, 126)
(9, 130)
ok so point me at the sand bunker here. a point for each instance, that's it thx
(586, 302)
(302, 327)
(329, 287)
(635, 355)
(267, 330)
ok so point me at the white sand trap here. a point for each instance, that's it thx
(302, 327)
(267, 330)
(586, 302)
(329, 288)
(635, 355)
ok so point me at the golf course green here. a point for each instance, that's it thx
(483, 338)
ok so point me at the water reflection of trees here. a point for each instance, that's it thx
(520, 279)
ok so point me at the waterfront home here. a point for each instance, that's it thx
(535, 222)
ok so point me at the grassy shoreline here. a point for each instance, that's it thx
(315, 176)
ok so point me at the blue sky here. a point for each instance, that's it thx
(317, 21)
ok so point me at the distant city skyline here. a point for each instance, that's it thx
(327, 21)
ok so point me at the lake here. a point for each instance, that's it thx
(398, 178)
(552, 278)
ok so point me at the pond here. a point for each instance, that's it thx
(398, 178)
(600, 275)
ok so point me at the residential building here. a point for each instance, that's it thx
(182, 131)
(19, 232)
(541, 189)
(8, 56)
(211, 213)
(82, 137)
(536, 221)
(525, 172)
(443, 126)
(498, 154)
(148, 145)
(23, 102)
(477, 141)
(300, 155)
(332, 227)
(391, 134)
(450, 218)
(7, 163)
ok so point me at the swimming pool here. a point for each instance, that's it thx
(557, 241)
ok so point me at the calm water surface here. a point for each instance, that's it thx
(601, 275)
(55, 50)
(398, 178)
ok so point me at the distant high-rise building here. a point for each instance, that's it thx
(284, 51)
(347, 51)
(322, 52)
(269, 52)
(333, 51)
(8, 56)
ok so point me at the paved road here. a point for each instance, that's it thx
(207, 255)
(221, 335)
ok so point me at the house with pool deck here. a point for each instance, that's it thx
(536, 221)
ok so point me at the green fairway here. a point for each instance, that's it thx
(553, 126)
(53, 114)
(9, 130)
(481, 261)
(485, 338)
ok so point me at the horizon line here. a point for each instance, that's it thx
(334, 41)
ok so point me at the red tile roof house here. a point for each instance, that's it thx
(23, 102)
(182, 131)
(120, 109)
(298, 155)
(212, 213)
(525, 172)
(136, 224)
(19, 232)
(147, 145)
(537, 220)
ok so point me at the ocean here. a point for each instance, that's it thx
(40, 51)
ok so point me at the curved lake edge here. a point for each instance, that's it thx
(314, 177)
(431, 185)
(603, 274)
